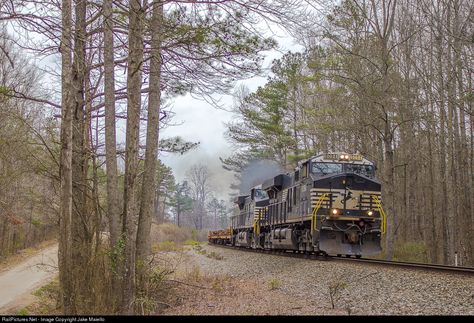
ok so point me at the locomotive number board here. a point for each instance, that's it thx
(337, 156)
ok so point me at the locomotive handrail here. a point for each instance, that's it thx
(315, 211)
(382, 213)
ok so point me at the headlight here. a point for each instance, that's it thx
(346, 157)
(370, 213)
(334, 211)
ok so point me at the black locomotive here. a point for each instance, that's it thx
(330, 204)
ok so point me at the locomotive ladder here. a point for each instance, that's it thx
(315, 211)
(382, 213)
(256, 223)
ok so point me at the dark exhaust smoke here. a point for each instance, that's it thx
(256, 172)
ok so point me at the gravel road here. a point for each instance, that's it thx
(16, 283)
(288, 286)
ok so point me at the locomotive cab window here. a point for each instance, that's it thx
(366, 170)
(326, 168)
(260, 194)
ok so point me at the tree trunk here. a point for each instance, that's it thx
(113, 202)
(130, 213)
(114, 209)
(147, 206)
(80, 225)
(443, 210)
(462, 148)
(450, 122)
(65, 172)
(389, 190)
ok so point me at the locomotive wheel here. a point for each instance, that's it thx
(339, 255)
(348, 256)
(358, 256)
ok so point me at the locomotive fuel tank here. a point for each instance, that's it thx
(283, 238)
(242, 239)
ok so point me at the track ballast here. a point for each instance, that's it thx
(313, 256)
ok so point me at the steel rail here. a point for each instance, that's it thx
(313, 256)
(437, 267)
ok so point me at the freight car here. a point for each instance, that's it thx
(330, 204)
(220, 236)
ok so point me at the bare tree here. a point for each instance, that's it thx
(198, 178)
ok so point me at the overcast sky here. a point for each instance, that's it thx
(200, 122)
(204, 123)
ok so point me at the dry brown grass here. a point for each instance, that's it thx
(169, 243)
(179, 235)
(45, 303)
(200, 294)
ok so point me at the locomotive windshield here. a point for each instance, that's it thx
(366, 170)
(326, 168)
(322, 169)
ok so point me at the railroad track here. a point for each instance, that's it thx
(402, 264)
